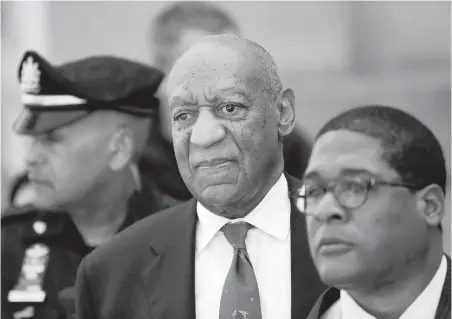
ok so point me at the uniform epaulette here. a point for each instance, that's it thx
(15, 214)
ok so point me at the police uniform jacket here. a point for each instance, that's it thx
(41, 250)
(27, 233)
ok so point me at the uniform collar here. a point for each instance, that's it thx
(52, 224)
(46, 224)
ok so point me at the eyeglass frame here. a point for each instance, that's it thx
(370, 184)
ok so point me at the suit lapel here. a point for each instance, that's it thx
(306, 285)
(169, 277)
(443, 311)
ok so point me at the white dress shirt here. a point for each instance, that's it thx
(423, 307)
(268, 246)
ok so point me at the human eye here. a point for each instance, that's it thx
(353, 186)
(232, 109)
(51, 137)
(314, 191)
(183, 116)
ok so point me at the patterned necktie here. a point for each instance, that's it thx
(240, 297)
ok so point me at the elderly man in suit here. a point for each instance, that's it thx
(177, 27)
(239, 248)
(374, 217)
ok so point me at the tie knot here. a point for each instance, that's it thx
(235, 233)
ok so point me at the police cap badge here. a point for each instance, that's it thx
(56, 96)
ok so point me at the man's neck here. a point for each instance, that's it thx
(391, 300)
(98, 224)
(249, 201)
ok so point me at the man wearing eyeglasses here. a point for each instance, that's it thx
(373, 195)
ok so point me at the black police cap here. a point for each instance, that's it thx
(56, 96)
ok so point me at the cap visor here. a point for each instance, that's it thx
(32, 122)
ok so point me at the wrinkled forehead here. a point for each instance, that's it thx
(210, 89)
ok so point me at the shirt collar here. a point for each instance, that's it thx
(271, 215)
(424, 306)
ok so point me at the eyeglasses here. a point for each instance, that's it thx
(349, 193)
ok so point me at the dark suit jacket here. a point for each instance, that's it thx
(331, 295)
(147, 271)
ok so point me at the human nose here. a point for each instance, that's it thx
(35, 153)
(207, 130)
(327, 209)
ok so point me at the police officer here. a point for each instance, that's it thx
(88, 121)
